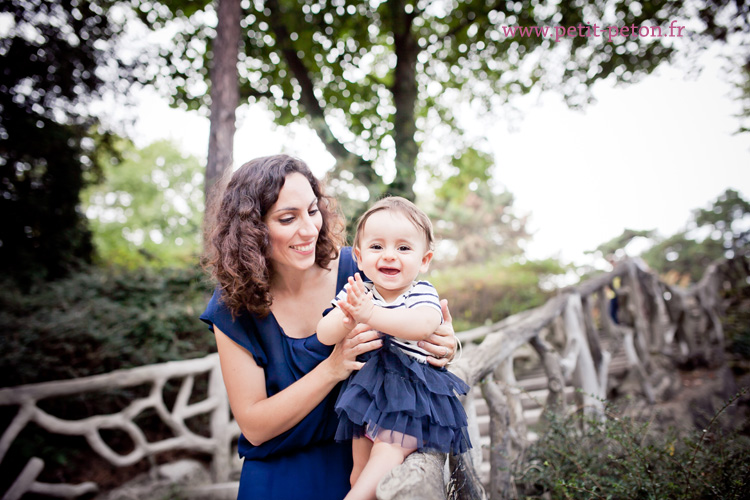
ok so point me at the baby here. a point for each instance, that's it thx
(398, 402)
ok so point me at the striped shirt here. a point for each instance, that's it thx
(421, 294)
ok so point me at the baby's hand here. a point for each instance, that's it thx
(358, 304)
(348, 321)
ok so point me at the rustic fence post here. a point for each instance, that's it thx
(501, 485)
(642, 335)
(220, 427)
(555, 381)
(585, 376)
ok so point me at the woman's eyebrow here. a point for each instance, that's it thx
(294, 209)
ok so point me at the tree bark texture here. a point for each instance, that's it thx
(555, 381)
(225, 92)
(465, 483)
(420, 477)
(405, 99)
(501, 479)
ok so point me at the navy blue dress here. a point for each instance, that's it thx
(305, 462)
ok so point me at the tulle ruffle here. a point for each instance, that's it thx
(400, 400)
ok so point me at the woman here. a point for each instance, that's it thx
(273, 247)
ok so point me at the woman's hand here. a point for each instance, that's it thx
(343, 359)
(442, 343)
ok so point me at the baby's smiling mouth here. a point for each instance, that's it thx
(390, 271)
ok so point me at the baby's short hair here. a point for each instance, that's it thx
(403, 206)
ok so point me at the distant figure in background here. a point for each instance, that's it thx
(397, 403)
(612, 291)
(273, 246)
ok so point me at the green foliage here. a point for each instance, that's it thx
(721, 230)
(470, 169)
(618, 243)
(588, 458)
(736, 320)
(717, 231)
(96, 322)
(371, 77)
(473, 223)
(148, 209)
(725, 219)
(51, 53)
(683, 255)
(493, 290)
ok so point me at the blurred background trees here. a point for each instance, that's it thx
(719, 230)
(147, 210)
(393, 89)
(55, 57)
(379, 81)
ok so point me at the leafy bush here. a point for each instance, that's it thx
(621, 458)
(98, 321)
(488, 292)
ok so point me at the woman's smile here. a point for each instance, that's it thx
(306, 248)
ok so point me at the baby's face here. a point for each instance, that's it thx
(392, 252)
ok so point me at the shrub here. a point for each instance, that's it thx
(580, 457)
(488, 292)
(98, 321)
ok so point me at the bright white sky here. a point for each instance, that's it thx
(642, 157)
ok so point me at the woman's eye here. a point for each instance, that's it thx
(286, 220)
(314, 211)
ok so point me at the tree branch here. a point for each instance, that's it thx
(361, 169)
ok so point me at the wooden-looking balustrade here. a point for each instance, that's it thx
(573, 336)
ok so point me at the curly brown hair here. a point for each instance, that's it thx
(237, 240)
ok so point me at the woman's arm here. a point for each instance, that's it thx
(262, 418)
(442, 342)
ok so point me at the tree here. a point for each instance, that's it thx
(148, 210)
(376, 79)
(225, 91)
(721, 230)
(474, 221)
(54, 56)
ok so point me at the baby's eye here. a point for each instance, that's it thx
(404, 248)
(375, 246)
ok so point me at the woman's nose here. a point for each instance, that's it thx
(308, 227)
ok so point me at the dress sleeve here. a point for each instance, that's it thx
(241, 329)
(340, 296)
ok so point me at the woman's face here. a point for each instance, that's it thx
(294, 222)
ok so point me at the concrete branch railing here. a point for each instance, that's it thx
(219, 444)
(573, 335)
(568, 334)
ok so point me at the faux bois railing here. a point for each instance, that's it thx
(572, 334)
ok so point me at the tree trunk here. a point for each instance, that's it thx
(225, 92)
(405, 99)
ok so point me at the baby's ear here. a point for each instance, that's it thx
(426, 262)
(357, 257)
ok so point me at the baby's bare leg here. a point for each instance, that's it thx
(361, 448)
(384, 456)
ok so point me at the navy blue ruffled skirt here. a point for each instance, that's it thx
(415, 401)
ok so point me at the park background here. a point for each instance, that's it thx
(532, 180)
